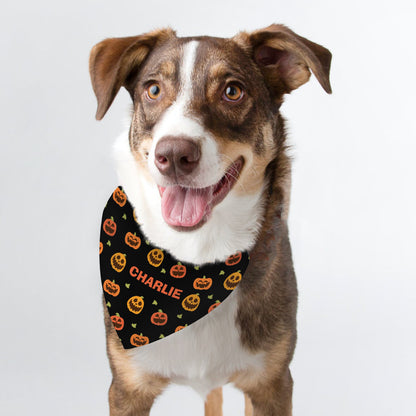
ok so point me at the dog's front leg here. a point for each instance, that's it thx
(132, 391)
(126, 401)
(213, 403)
(272, 398)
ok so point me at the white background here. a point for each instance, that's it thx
(352, 220)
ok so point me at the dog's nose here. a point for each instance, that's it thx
(177, 156)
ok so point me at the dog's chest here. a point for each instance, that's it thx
(203, 355)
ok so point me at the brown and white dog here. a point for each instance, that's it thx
(205, 165)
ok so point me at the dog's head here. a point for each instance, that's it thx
(205, 121)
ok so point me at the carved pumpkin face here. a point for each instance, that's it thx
(118, 322)
(119, 197)
(159, 318)
(178, 328)
(138, 340)
(118, 262)
(135, 304)
(191, 302)
(132, 240)
(155, 257)
(178, 271)
(232, 280)
(203, 283)
(109, 227)
(101, 247)
(111, 288)
(213, 306)
(234, 259)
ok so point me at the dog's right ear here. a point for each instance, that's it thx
(115, 62)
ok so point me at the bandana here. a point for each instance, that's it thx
(148, 292)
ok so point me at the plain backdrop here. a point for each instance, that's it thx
(352, 220)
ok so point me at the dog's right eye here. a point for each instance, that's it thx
(233, 93)
(153, 91)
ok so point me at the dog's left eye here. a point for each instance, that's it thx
(153, 91)
(233, 92)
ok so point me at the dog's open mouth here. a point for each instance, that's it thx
(191, 207)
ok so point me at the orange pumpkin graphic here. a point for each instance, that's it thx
(135, 304)
(159, 318)
(179, 327)
(178, 271)
(202, 283)
(118, 322)
(213, 306)
(155, 257)
(109, 227)
(231, 282)
(111, 288)
(191, 302)
(138, 340)
(119, 197)
(234, 259)
(118, 262)
(132, 240)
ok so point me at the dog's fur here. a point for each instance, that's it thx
(250, 339)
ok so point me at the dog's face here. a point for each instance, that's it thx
(205, 121)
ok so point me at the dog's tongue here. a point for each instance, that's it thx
(185, 207)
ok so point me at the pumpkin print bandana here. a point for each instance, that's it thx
(149, 293)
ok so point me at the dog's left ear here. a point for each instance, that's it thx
(115, 62)
(286, 58)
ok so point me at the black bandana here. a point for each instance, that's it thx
(150, 294)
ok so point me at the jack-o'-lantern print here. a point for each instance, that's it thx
(155, 257)
(159, 318)
(191, 302)
(111, 288)
(139, 340)
(119, 197)
(202, 283)
(149, 293)
(118, 262)
(231, 282)
(110, 227)
(234, 259)
(178, 271)
(118, 322)
(132, 240)
(213, 306)
(179, 327)
(135, 304)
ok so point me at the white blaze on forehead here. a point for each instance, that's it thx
(187, 70)
(174, 121)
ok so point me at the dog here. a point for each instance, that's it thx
(206, 167)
